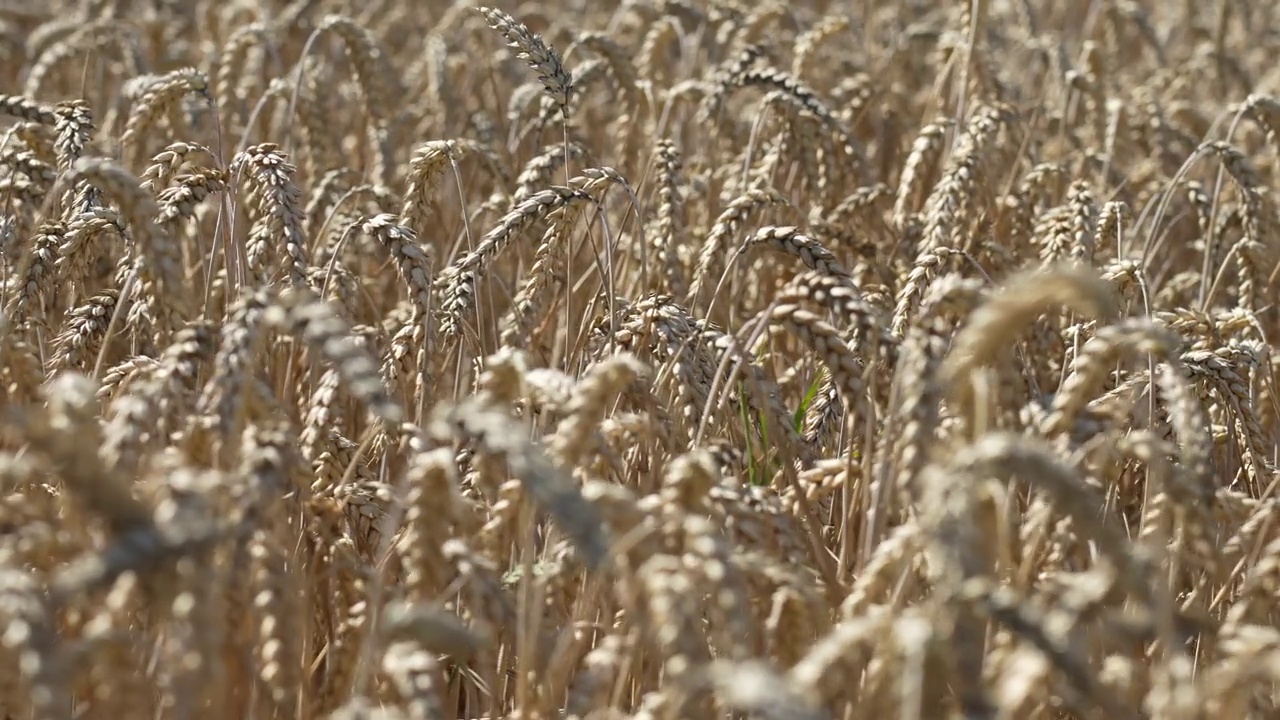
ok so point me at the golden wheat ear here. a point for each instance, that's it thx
(649, 360)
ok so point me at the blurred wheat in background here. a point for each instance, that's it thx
(657, 360)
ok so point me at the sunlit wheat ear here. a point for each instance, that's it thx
(548, 486)
(1007, 456)
(407, 253)
(277, 229)
(791, 241)
(240, 51)
(657, 327)
(34, 280)
(30, 175)
(417, 637)
(603, 382)
(87, 240)
(755, 688)
(457, 283)
(724, 77)
(555, 79)
(543, 281)
(726, 226)
(59, 435)
(158, 99)
(1002, 319)
(668, 223)
(826, 291)
(954, 199)
(73, 127)
(148, 417)
(223, 399)
(39, 662)
(539, 171)
(1095, 359)
(157, 259)
(430, 164)
(350, 386)
(319, 325)
(77, 344)
(27, 109)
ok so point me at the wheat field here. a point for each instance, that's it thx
(652, 360)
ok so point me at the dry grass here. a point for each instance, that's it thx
(663, 360)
